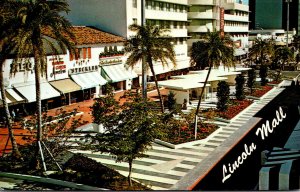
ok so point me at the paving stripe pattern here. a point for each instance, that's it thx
(165, 166)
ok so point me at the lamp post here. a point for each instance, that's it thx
(144, 76)
(287, 21)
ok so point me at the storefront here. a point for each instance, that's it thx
(118, 76)
(91, 83)
(49, 95)
(67, 88)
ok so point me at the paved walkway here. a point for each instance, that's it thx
(83, 107)
(164, 166)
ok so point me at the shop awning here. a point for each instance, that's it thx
(7, 100)
(29, 92)
(12, 97)
(89, 80)
(117, 73)
(65, 85)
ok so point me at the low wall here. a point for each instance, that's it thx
(235, 164)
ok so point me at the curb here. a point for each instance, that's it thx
(50, 181)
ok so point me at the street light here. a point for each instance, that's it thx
(287, 21)
(144, 75)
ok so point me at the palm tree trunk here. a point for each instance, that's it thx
(202, 91)
(156, 84)
(200, 98)
(37, 71)
(15, 151)
(129, 172)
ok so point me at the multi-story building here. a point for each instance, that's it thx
(227, 16)
(98, 60)
(116, 16)
(266, 14)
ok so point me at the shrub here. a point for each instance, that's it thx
(251, 79)
(223, 95)
(171, 102)
(239, 87)
(263, 73)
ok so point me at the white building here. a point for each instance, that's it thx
(98, 60)
(221, 15)
(116, 15)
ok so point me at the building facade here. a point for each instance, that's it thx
(228, 16)
(116, 16)
(266, 14)
(70, 77)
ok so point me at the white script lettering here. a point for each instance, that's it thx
(265, 129)
(240, 160)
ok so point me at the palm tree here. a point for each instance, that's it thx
(213, 50)
(8, 24)
(261, 49)
(282, 56)
(39, 16)
(149, 43)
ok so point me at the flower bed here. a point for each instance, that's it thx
(261, 91)
(234, 108)
(186, 134)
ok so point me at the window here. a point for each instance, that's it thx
(175, 24)
(167, 24)
(148, 4)
(175, 8)
(161, 6)
(81, 53)
(134, 3)
(134, 20)
(168, 6)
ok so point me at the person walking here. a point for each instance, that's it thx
(13, 115)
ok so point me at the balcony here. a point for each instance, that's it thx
(229, 29)
(182, 2)
(201, 28)
(229, 17)
(236, 6)
(202, 15)
(201, 2)
(164, 15)
(178, 32)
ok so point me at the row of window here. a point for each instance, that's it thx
(197, 35)
(235, 24)
(81, 53)
(167, 24)
(163, 6)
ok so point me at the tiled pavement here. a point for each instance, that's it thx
(165, 166)
(83, 107)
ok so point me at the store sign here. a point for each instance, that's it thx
(222, 22)
(110, 61)
(21, 67)
(262, 132)
(59, 67)
(83, 69)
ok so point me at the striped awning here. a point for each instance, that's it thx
(28, 90)
(117, 73)
(89, 80)
(12, 97)
(65, 85)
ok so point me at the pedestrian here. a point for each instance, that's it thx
(13, 114)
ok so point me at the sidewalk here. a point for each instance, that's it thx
(83, 106)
